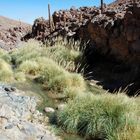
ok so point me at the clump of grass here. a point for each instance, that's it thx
(6, 73)
(29, 67)
(64, 53)
(49, 69)
(5, 56)
(20, 77)
(68, 84)
(52, 76)
(26, 51)
(103, 116)
(65, 57)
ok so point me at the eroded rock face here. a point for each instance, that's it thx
(118, 35)
(19, 119)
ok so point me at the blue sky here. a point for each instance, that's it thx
(29, 10)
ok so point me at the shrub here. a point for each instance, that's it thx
(104, 116)
(6, 73)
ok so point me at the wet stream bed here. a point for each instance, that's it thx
(45, 100)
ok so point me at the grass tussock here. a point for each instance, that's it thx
(20, 77)
(29, 67)
(26, 51)
(110, 117)
(5, 55)
(6, 73)
(69, 84)
(65, 57)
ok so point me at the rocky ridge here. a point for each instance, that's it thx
(19, 118)
(11, 32)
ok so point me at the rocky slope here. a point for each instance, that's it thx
(11, 32)
(19, 118)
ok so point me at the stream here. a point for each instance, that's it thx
(45, 100)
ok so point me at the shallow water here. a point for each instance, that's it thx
(34, 89)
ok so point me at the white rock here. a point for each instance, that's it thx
(49, 110)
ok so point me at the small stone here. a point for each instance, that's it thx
(10, 126)
(49, 110)
(7, 89)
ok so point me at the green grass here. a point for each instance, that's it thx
(66, 57)
(6, 73)
(29, 67)
(20, 77)
(5, 55)
(90, 111)
(51, 66)
(68, 84)
(110, 117)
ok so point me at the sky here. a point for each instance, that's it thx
(29, 10)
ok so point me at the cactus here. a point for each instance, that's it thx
(102, 6)
(64, 18)
(51, 23)
(49, 15)
(80, 17)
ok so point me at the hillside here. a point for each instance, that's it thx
(11, 32)
(74, 76)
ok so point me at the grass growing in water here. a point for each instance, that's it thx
(110, 117)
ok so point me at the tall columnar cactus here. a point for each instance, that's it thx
(64, 18)
(80, 17)
(102, 6)
(49, 15)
